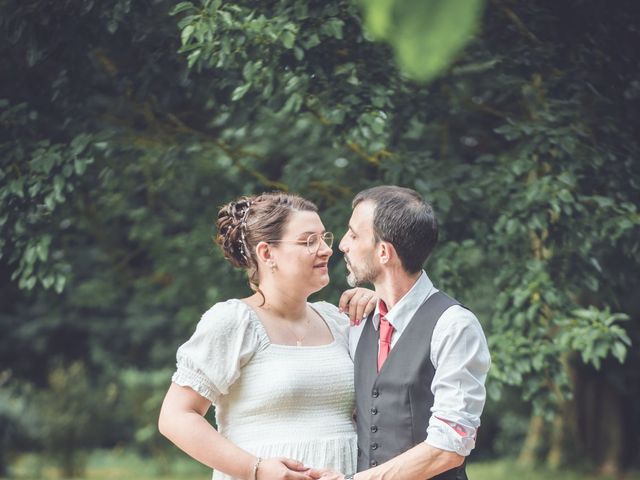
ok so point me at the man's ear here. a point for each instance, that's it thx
(386, 252)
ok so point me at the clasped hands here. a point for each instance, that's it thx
(287, 469)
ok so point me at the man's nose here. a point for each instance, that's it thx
(342, 246)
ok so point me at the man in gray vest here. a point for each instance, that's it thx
(421, 358)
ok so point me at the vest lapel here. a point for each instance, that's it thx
(412, 325)
(366, 356)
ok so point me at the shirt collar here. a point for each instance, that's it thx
(403, 311)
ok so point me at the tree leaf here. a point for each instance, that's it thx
(425, 34)
(181, 7)
(240, 91)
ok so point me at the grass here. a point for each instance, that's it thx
(508, 470)
(114, 464)
(125, 465)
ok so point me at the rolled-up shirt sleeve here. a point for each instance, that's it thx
(461, 358)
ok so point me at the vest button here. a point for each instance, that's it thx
(374, 446)
(374, 411)
(375, 393)
(373, 463)
(374, 428)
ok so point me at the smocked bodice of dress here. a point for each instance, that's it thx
(270, 399)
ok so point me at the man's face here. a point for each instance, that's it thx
(359, 246)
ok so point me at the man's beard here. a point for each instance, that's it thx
(369, 274)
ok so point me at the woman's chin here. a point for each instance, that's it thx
(321, 283)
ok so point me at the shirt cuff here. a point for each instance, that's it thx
(452, 438)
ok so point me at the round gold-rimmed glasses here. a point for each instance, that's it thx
(312, 242)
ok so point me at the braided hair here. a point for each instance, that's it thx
(249, 220)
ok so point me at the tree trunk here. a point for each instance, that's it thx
(611, 432)
(599, 427)
(564, 433)
(533, 443)
(557, 454)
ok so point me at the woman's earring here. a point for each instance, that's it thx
(272, 266)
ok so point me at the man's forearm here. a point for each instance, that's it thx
(419, 463)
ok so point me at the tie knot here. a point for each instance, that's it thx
(382, 307)
(386, 330)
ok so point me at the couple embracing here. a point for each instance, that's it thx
(286, 375)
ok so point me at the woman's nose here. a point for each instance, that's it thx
(325, 249)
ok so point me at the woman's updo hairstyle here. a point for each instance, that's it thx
(247, 221)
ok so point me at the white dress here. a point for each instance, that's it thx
(274, 400)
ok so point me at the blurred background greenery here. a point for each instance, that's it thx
(125, 125)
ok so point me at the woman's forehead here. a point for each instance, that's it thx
(304, 223)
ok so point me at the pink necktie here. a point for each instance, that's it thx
(386, 330)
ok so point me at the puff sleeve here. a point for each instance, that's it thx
(225, 339)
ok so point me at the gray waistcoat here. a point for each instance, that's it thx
(394, 406)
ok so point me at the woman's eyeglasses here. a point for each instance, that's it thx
(312, 242)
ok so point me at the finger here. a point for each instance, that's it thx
(293, 464)
(345, 298)
(363, 303)
(316, 473)
(332, 476)
(353, 312)
(371, 306)
(357, 305)
(298, 476)
(350, 307)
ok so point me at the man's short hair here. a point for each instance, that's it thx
(403, 218)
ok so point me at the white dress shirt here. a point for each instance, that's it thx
(460, 355)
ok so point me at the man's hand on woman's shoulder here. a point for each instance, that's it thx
(357, 302)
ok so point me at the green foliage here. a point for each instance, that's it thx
(39, 178)
(13, 423)
(554, 189)
(595, 334)
(142, 395)
(425, 34)
(66, 410)
(126, 124)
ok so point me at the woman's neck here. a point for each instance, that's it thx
(286, 303)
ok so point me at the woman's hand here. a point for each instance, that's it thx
(325, 474)
(182, 421)
(282, 469)
(357, 303)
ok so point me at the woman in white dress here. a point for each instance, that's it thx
(276, 367)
